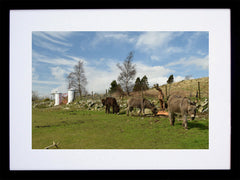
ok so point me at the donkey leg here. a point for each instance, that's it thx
(163, 105)
(171, 118)
(185, 123)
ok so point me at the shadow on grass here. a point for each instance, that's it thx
(197, 125)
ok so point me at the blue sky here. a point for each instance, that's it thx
(156, 55)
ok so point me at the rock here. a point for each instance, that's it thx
(148, 111)
(204, 103)
(92, 104)
(203, 106)
(123, 105)
(200, 109)
(205, 110)
(89, 101)
(51, 104)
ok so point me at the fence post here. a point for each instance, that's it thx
(142, 101)
(199, 91)
(166, 91)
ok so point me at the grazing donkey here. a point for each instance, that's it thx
(111, 102)
(140, 103)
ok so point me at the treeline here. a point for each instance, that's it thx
(139, 85)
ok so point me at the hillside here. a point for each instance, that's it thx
(185, 88)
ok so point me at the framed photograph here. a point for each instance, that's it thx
(120, 89)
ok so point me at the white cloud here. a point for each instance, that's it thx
(53, 37)
(59, 61)
(58, 73)
(174, 50)
(155, 74)
(35, 76)
(85, 62)
(59, 67)
(46, 82)
(118, 36)
(201, 53)
(100, 79)
(199, 62)
(54, 41)
(179, 62)
(61, 88)
(155, 58)
(178, 78)
(49, 46)
(70, 61)
(152, 40)
(61, 35)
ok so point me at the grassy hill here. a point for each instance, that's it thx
(186, 88)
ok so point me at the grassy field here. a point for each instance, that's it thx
(80, 126)
(84, 129)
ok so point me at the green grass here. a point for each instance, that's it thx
(83, 129)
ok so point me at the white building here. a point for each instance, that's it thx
(58, 98)
(71, 95)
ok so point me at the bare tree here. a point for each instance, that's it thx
(127, 74)
(77, 78)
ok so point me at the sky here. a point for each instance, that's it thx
(157, 54)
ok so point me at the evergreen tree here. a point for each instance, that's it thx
(144, 83)
(141, 84)
(170, 79)
(115, 87)
(137, 86)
